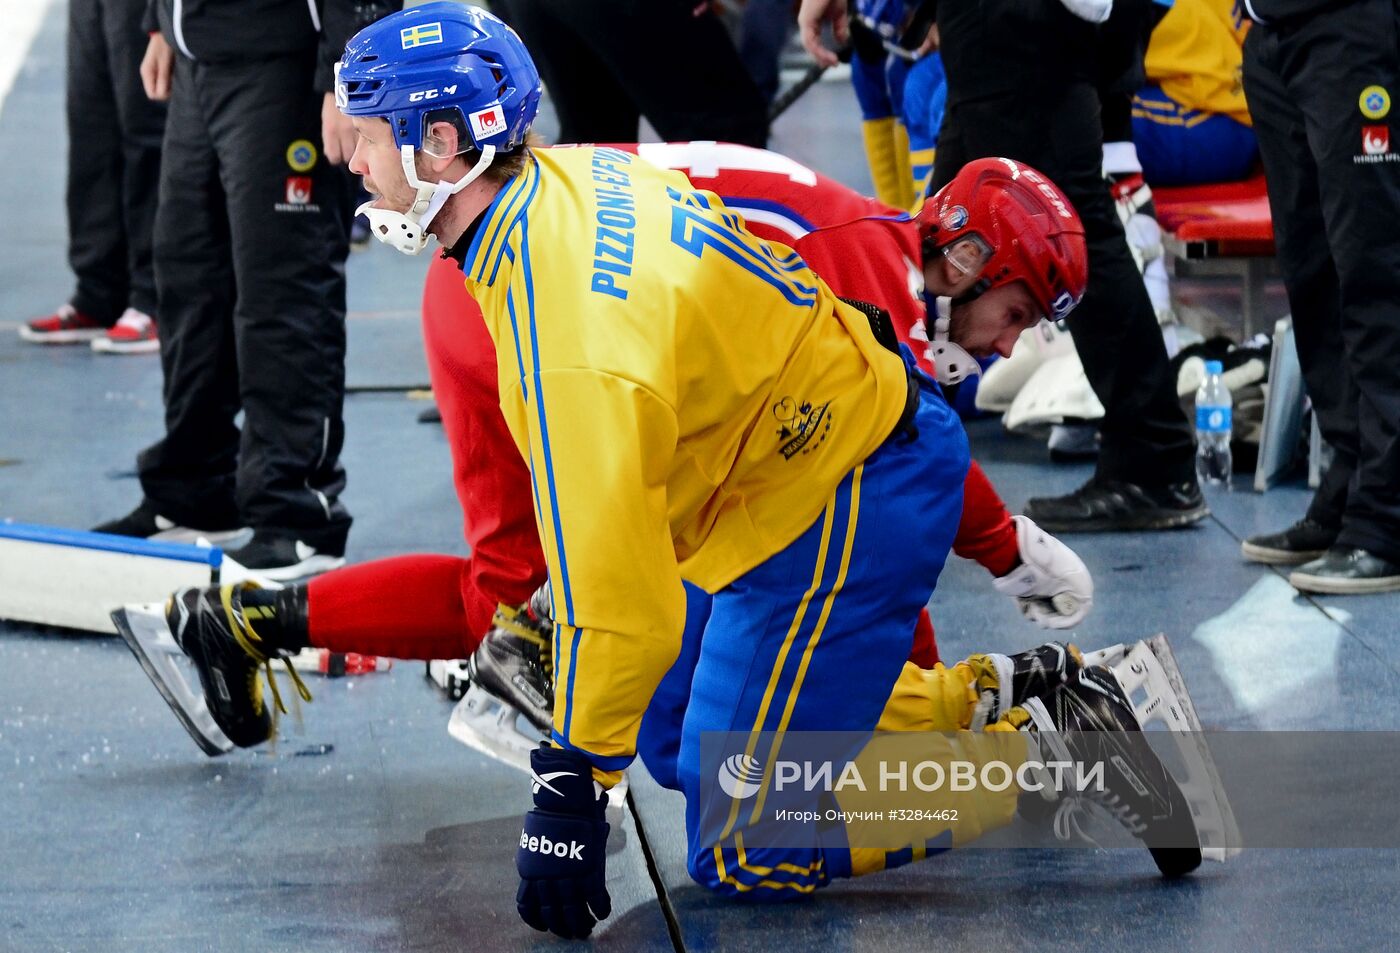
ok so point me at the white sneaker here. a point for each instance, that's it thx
(134, 333)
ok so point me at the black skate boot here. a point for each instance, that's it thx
(1032, 674)
(515, 662)
(1088, 721)
(510, 681)
(212, 627)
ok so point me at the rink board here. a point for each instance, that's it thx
(74, 579)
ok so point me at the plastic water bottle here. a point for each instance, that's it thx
(1213, 463)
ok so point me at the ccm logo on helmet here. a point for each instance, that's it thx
(423, 94)
(1047, 190)
(1017, 171)
(573, 850)
(1055, 200)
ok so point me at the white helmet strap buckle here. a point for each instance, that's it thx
(408, 231)
(951, 363)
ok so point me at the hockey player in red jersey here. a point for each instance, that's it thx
(480, 604)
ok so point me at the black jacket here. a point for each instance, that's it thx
(216, 31)
(1270, 11)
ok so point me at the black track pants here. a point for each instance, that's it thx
(1146, 437)
(1322, 94)
(250, 262)
(114, 136)
(607, 62)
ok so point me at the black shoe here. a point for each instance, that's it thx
(1111, 505)
(1302, 542)
(282, 558)
(515, 663)
(145, 523)
(212, 629)
(1089, 721)
(1343, 572)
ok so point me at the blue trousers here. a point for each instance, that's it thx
(812, 639)
(1180, 146)
(916, 92)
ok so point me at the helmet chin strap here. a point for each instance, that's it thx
(408, 231)
(952, 363)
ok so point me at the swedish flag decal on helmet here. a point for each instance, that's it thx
(424, 34)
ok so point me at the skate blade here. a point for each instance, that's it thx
(146, 633)
(484, 723)
(1148, 673)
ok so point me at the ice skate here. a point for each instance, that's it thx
(1089, 720)
(209, 625)
(508, 704)
(1032, 674)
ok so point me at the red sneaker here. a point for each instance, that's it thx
(67, 325)
(134, 333)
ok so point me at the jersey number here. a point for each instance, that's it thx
(694, 231)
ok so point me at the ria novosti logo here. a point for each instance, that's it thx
(740, 776)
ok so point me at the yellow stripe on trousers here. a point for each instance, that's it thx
(763, 872)
(852, 518)
(828, 519)
(817, 631)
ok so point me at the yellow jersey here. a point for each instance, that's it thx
(687, 396)
(1194, 55)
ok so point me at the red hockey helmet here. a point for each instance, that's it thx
(1005, 222)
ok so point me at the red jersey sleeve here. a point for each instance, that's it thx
(986, 533)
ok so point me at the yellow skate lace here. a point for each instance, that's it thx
(248, 640)
(515, 620)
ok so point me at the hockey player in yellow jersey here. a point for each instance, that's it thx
(696, 405)
(1190, 122)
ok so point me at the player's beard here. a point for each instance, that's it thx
(387, 201)
(959, 327)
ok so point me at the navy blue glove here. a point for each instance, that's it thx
(563, 884)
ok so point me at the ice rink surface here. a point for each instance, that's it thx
(367, 828)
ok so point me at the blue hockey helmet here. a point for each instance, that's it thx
(441, 57)
(439, 62)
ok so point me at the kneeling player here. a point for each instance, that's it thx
(707, 410)
(717, 416)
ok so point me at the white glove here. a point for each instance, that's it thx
(1052, 586)
(1095, 11)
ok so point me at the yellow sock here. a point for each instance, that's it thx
(882, 154)
(921, 166)
(906, 170)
